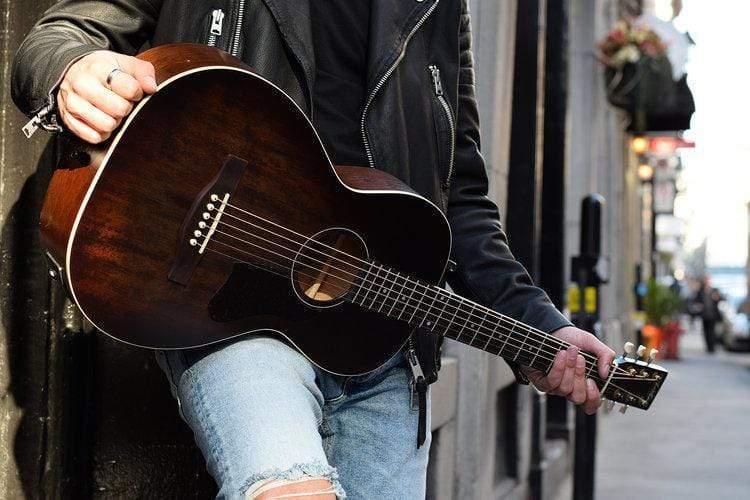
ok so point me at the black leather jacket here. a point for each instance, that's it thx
(420, 120)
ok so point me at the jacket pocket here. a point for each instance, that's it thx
(445, 127)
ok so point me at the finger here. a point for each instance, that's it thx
(76, 126)
(126, 86)
(604, 354)
(142, 71)
(605, 360)
(592, 398)
(539, 380)
(566, 385)
(89, 114)
(106, 100)
(554, 376)
(578, 395)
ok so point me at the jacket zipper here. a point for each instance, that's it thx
(384, 78)
(217, 25)
(238, 28)
(416, 370)
(45, 118)
(437, 87)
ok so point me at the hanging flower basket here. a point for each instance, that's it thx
(638, 79)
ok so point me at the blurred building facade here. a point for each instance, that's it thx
(83, 416)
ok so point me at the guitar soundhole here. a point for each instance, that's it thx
(328, 266)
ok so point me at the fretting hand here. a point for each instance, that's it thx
(567, 375)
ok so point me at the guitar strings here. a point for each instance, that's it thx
(507, 320)
(501, 318)
(285, 276)
(526, 329)
(377, 293)
(490, 337)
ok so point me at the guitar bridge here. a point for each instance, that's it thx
(204, 214)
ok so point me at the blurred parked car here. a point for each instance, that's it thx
(734, 329)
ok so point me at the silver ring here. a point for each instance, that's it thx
(110, 76)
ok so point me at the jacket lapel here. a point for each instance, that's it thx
(293, 20)
(391, 22)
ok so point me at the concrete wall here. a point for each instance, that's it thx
(596, 153)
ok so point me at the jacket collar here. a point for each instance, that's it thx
(391, 22)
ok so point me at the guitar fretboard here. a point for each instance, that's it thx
(428, 306)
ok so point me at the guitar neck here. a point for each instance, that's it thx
(444, 313)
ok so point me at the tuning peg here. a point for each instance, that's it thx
(629, 349)
(641, 351)
(608, 407)
(623, 408)
(652, 355)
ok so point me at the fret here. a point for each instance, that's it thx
(590, 368)
(538, 348)
(388, 293)
(406, 302)
(445, 299)
(491, 336)
(429, 308)
(455, 311)
(372, 283)
(525, 337)
(362, 283)
(419, 303)
(507, 335)
(398, 295)
(466, 323)
(471, 342)
(376, 287)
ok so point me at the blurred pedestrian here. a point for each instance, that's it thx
(706, 303)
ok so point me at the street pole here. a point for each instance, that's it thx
(587, 275)
(653, 230)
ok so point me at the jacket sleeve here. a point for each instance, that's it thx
(66, 32)
(486, 270)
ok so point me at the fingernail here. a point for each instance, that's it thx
(151, 80)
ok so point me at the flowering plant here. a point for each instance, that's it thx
(627, 44)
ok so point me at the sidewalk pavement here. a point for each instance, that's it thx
(694, 442)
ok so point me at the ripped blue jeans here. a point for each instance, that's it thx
(260, 410)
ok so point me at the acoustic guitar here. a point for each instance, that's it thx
(214, 211)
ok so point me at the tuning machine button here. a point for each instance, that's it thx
(652, 355)
(629, 349)
(641, 351)
(624, 408)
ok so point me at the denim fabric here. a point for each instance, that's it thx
(259, 409)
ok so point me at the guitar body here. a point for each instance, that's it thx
(119, 219)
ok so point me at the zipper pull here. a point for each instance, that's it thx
(418, 393)
(437, 83)
(217, 22)
(32, 126)
(45, 119)
(418, 374)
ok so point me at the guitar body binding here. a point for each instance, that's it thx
(123, 223)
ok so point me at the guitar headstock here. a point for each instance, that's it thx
(635, 381)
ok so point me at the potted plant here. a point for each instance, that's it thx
(662, 306)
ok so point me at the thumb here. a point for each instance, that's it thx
(142, 71)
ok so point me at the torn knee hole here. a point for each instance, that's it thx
(315, 488)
